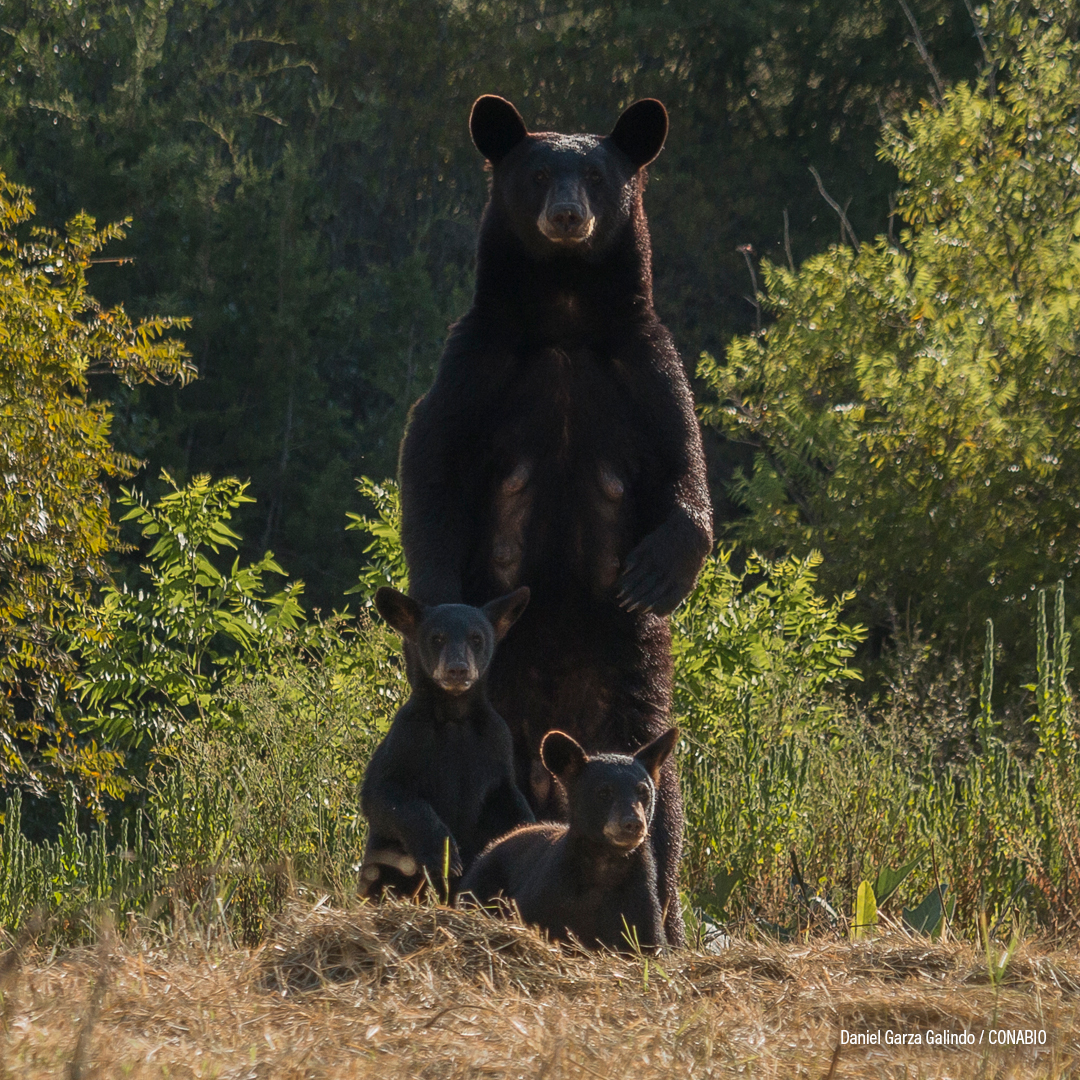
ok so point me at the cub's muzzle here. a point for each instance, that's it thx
(626, 832)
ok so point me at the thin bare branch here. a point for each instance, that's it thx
(920, 44)
(845, 225)
(746, 250)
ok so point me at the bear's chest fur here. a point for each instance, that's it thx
(562, 482)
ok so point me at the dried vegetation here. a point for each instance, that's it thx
(420, 991)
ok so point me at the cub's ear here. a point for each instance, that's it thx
(496, 127)
(504, 612)
(402, 612)
(562, 756)
(641, 131)
(653, 755)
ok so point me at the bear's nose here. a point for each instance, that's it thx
(567, 217)
(455, 674)
(625, 831)
(566, 220)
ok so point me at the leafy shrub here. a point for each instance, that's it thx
(55, 458)
(250, 724)
(915, 402)
(756, 654)
(156, 657)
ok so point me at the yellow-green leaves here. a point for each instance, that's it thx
(865, 913)
(55, 458)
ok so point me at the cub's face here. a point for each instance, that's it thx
(611, 796)
(566, 194)
(454, 642)
(612, 801)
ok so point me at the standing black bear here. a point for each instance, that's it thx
(558, 448)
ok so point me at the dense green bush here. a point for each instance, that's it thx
(916, 400)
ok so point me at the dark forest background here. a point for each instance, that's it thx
(302, 185)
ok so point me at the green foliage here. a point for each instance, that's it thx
(158, 656)
(849, 791)
(234, 816)
(915, 404)
(71, 876)
(55, 528)
(796, 800)
(255, 725)
(931, 916)
(386, 559)
(865, 912)
(243, 812)
(164, 653)
(758, 643)
(889, 880)
(755, 655)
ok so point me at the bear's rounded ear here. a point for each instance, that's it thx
(562, 756)
(641, 131)
(496, 127)
(504, 612)
(653, 755)
(402, 612)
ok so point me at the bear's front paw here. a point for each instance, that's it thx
(654, 579)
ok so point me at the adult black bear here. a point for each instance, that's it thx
(558, 448)
(440, 786)
(595, 878)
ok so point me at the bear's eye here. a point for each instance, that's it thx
(605, 792)
(438, 640)
(594, 176)
(476, 640)
(541, 176)
(644, 791)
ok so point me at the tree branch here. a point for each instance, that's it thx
(845, 225)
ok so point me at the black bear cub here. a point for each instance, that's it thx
(595, 878)
(440, 786)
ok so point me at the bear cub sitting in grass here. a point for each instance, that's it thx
(440, 786)
(594, 879)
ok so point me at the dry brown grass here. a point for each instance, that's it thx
(405, 991)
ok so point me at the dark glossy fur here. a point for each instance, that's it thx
(444, 774)
(595, 878)
(558, 448)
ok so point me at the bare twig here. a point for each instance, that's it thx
(925, 54)
(835, 1059)
(845, 225)
(746, 250)
(991, 63)
(787, 242)
(978, 32)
